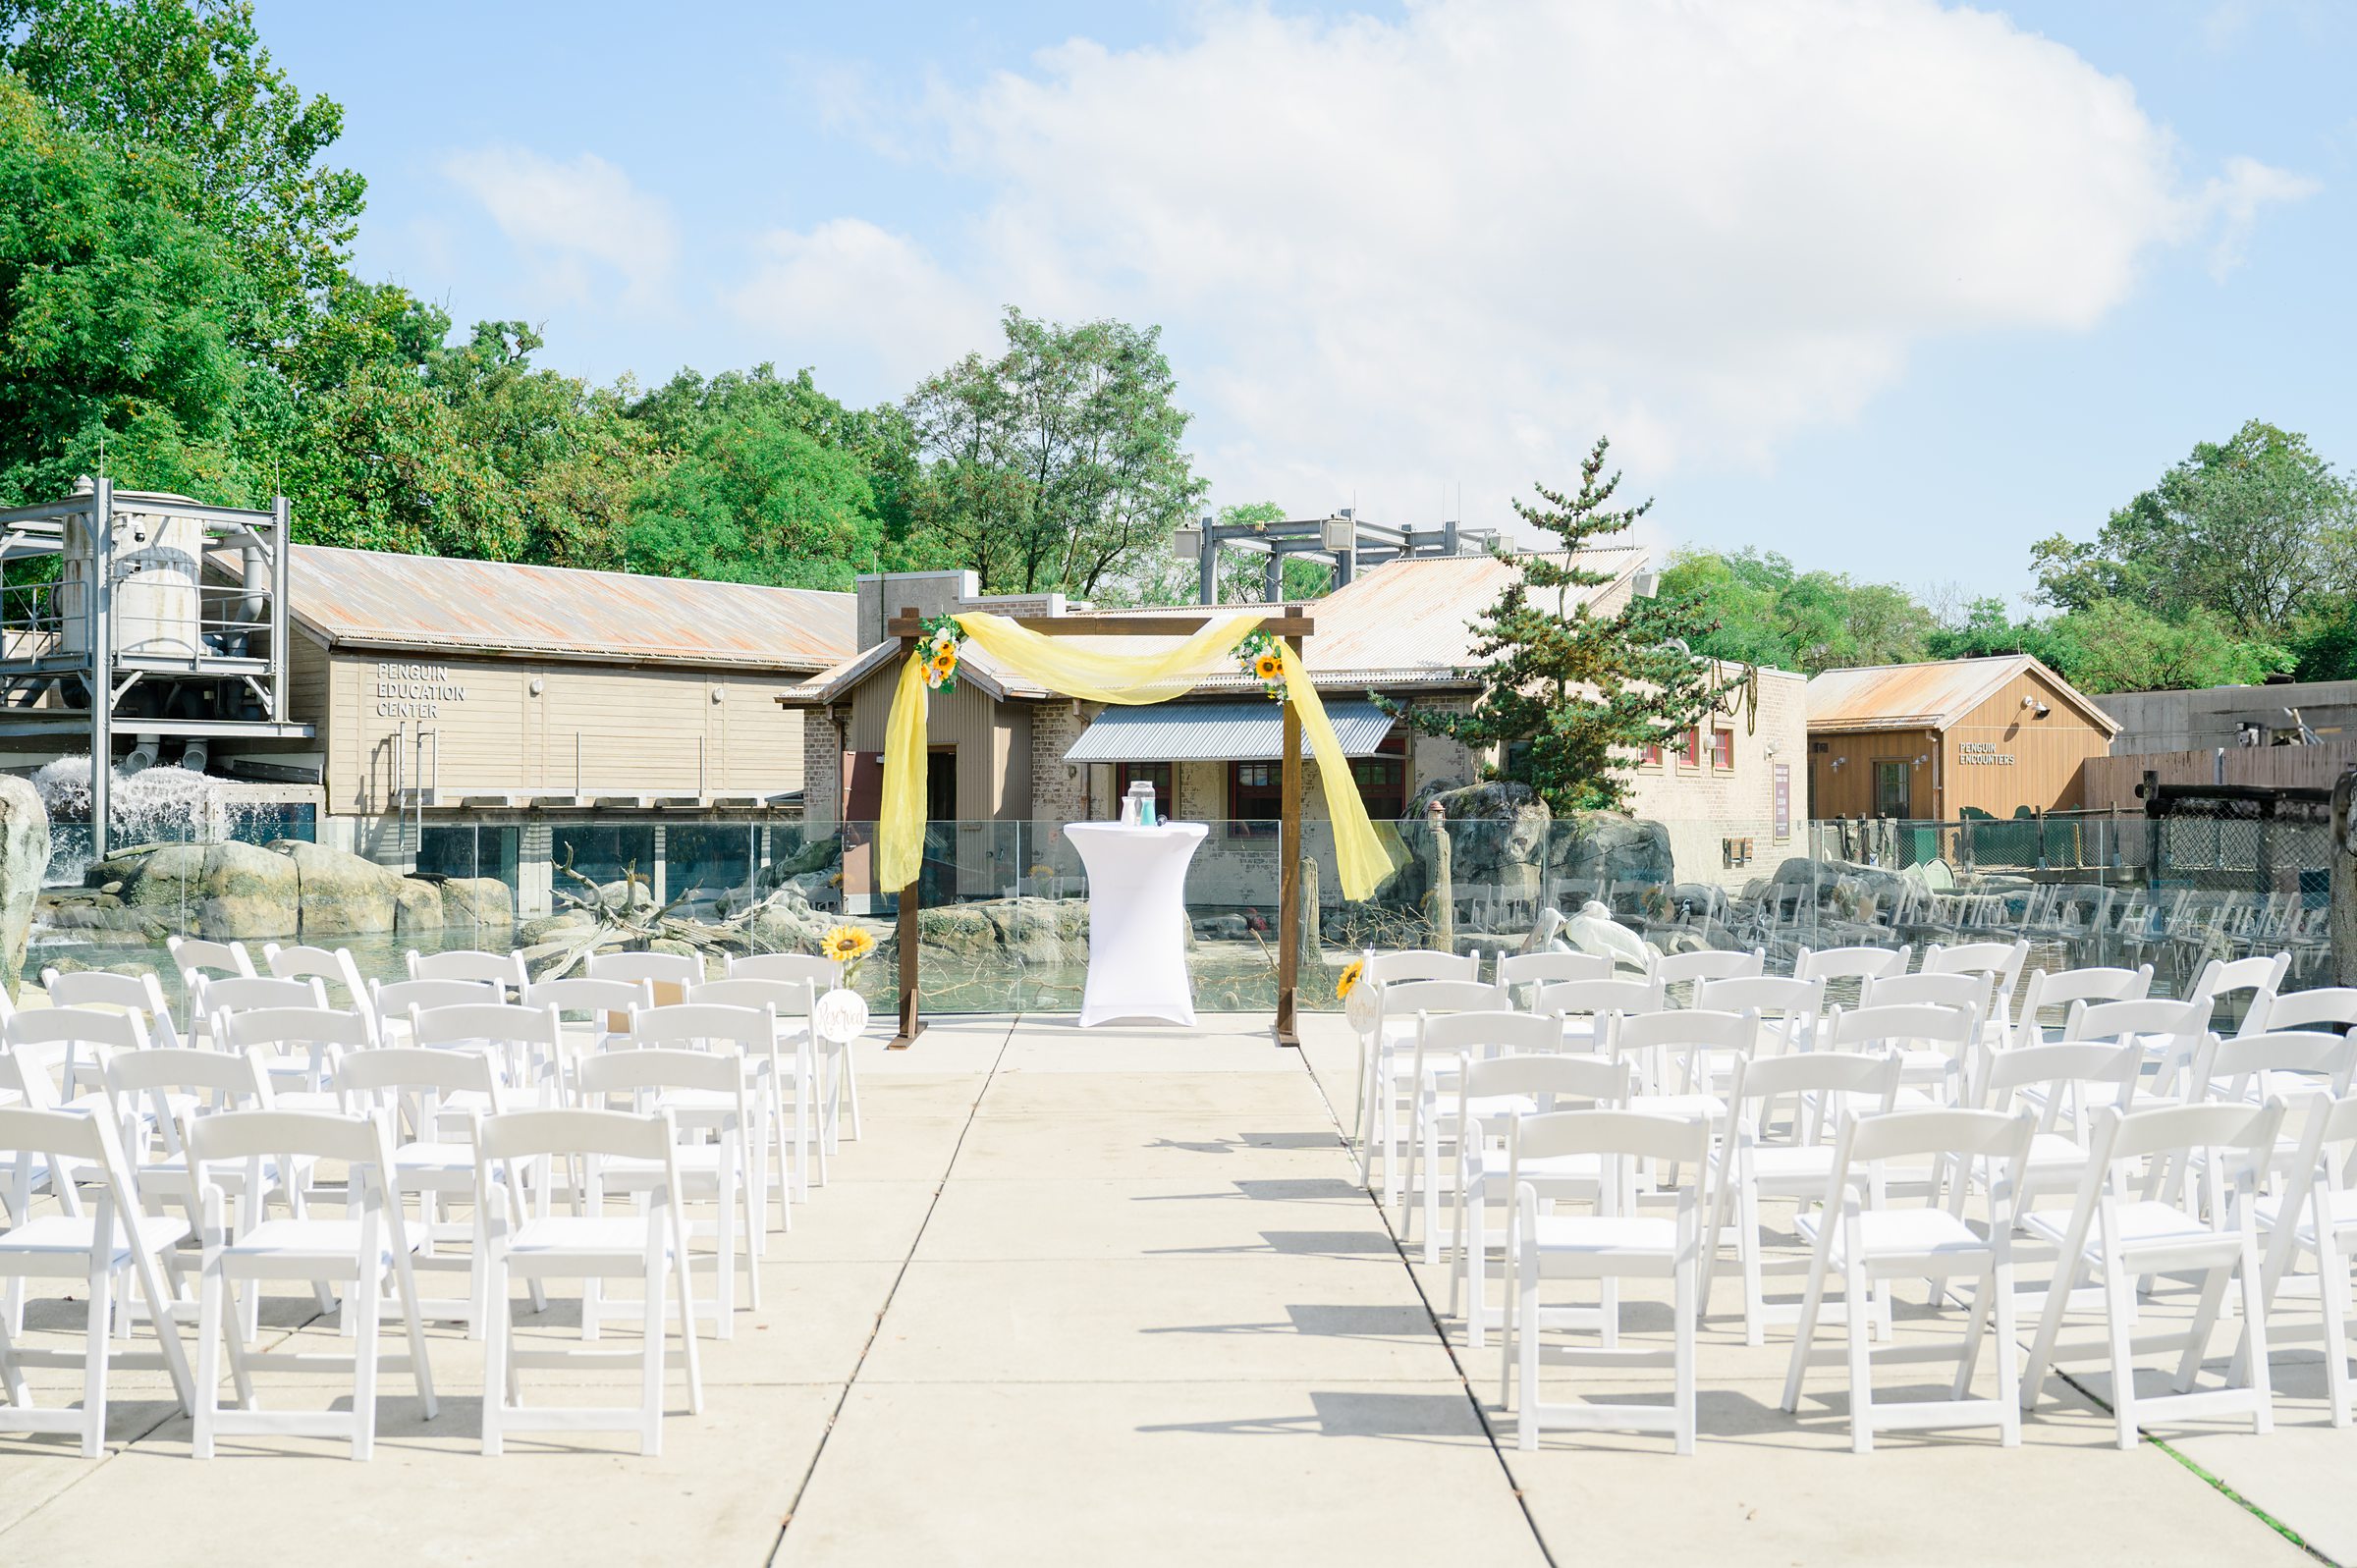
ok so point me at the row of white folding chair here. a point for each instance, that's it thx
(505, 970)
(1865, 1239)
(841, 1091)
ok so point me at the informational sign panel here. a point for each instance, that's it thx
(1783, 801)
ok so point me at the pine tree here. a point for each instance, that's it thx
(1572, 696)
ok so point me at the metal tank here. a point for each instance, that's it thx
(157, 563)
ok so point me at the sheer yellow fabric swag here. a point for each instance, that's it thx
(1066, 665)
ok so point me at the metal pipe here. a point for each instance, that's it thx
(281, 552)
(98, 589)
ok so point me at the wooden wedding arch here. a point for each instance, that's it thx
(1292, 625)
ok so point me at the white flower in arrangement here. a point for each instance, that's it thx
(944, 640)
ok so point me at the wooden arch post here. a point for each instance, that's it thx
(1294, 625)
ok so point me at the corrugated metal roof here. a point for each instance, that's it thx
(1218, 731)
(1926, 696)
(366, 598)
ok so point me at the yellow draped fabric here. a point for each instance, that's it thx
(1063, 665)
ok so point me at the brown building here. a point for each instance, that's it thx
(1013, 763)
(1932, 742)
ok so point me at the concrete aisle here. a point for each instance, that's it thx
(1150, 1319)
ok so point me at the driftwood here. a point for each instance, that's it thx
(622, 921)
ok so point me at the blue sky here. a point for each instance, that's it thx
(1892, 288)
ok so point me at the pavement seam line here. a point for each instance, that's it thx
(875, 1329)
(1439, 1331)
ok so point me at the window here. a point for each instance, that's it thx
(1383, 778)
(1690, 747)
(1157, 774)
(1256, 799)
(1653, 754)
(1723, 748)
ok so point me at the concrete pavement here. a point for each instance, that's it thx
(1115, 1297)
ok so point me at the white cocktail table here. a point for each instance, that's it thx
(1137, 920)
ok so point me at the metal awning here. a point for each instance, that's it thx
(1218, 731)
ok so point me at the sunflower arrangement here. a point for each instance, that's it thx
(1349, 979)
(847, 946)
(1262, 658)
(940, 645)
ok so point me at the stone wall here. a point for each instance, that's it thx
(1436, 761)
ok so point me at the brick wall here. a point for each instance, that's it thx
(1704, 805)
(822, 767)
(1061, 791)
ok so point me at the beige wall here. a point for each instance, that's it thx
(641, 731)
(1703, 806)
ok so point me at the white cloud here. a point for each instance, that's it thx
(872, 295)
(577, 224)
(1390, 254)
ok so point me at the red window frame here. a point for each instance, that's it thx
(1723, 749)
(1381, 778)
(1690, 747)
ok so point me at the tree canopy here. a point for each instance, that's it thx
(1572, 693)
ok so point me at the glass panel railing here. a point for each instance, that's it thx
(1006, 920)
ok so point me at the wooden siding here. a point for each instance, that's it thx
(2111, 782)
(2046, 759)
(641, 731)
(2050, 754)
(1848, 790)
(993, 741)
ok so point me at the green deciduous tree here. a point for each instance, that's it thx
(2247, 531)
(114, 304)
(192, 77)
(1769, 612)
(1572, 693)
(1057, 462)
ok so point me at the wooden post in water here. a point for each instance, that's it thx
(910, 624)
(1289, 860)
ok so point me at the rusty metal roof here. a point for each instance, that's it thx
(369, 599)
(1928, 697)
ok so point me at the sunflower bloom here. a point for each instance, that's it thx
(1349, 979)
(1268, 667)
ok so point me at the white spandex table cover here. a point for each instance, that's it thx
(1137, 920)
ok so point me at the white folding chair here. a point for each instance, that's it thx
(1849, 965)
(94, 1251)
(1613, 1243)
(357, 1252)
(1387, 1030)
(197, 962)
(140, 995)
(1757, 1158)
(2000, 961)
(747, 1037)
(606, 1006)
(392, 1001)
(841, 1091)
(299, 1047)
(502, 970)
(717, 1170)
(2170, 1032)
(1586, 1006)
(1865, 1239)
(410, 1090)
(2120, 1229)
(2043, 992)
(591, 1247)
(2261, 976)
(652, 968)
(1491, 1093)
(330, 966)
(208, 996)
(2327, 1007)
(791, 1002)
(2315, 1216)
(1445, 1043)
(1935, 1045)
(1791, 1011)
(1548, 968)
(1388, 1075)
(525, 1047)
(1689, 969)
